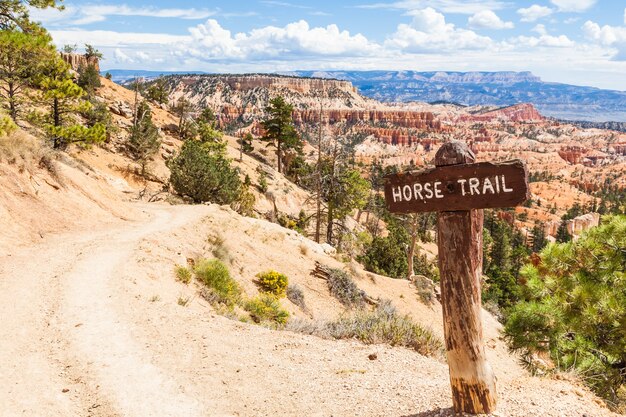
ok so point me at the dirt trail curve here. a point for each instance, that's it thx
(59, 330)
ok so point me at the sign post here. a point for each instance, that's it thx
(458, 189)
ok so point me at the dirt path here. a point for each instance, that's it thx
(59, 332)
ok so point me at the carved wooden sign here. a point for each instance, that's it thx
(458, 187)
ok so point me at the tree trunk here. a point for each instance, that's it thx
(329, 226)
(279, 155)
(411, 253)
(57, 121)
(460, 264)
(12, 100)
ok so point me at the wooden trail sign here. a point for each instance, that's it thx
(459, 189)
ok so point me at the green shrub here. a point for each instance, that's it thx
(343, 288)
(183, 274)
(266, 308)
(215, 275)
(203, 175)
(6, 125)
(296, 296)
(385, 325)
(273, 282)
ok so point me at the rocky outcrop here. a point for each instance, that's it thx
(579, 224)
(525, 112)
(573, 154)
(79, 60)
(574, 226)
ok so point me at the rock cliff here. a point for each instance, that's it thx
(79, 60)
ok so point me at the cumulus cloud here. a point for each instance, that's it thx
(121, 57)
(298, 39)
(612, 36)
(534, 12)
(573, 5)
(544, 39)
(429, 32)
(486, 19)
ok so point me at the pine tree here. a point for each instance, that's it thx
(574, 308)
(88, 79)
(562, 234)
(14, 14)
(20, 57)
(279, 130)
(203, 175)
(181, 109)
(157, 91)
(144, 140)
(65, 100)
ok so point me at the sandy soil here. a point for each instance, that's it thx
(91, 327)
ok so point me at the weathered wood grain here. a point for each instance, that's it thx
(458, 187)
(460, 265)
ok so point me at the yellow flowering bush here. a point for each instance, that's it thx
(273, 282)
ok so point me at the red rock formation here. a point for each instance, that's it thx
(78, 60)
(573, 153)
(408, 119)
(525, 112)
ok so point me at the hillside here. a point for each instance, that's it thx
(93, 323)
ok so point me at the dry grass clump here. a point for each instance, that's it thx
(21, 149)
(183, 274)
(296, 296)
(343, 288)
(382, 325)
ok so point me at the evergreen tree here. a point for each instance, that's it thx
(157, 91)
(91, 52)
(144, 140)
(562, 234)
(182, 109)
(574, 308)
(20, 56)
(539, 237)
(65, 100)
(14, 14)
(202, 174)
(279, 130)
(88, 79)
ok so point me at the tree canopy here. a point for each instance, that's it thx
(279, 130)
(574, 308)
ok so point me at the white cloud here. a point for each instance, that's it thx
(612, 36)
(544, 40)
(534, 12)
(573, 5)
(540, 29)
(486, 19)
(143, 56)
(625, 16)
(210, 40)
(86, 14)
(121, 57)
(429, 32)
(571, 20)
(446, 6)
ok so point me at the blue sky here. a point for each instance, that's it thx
(573, 41)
